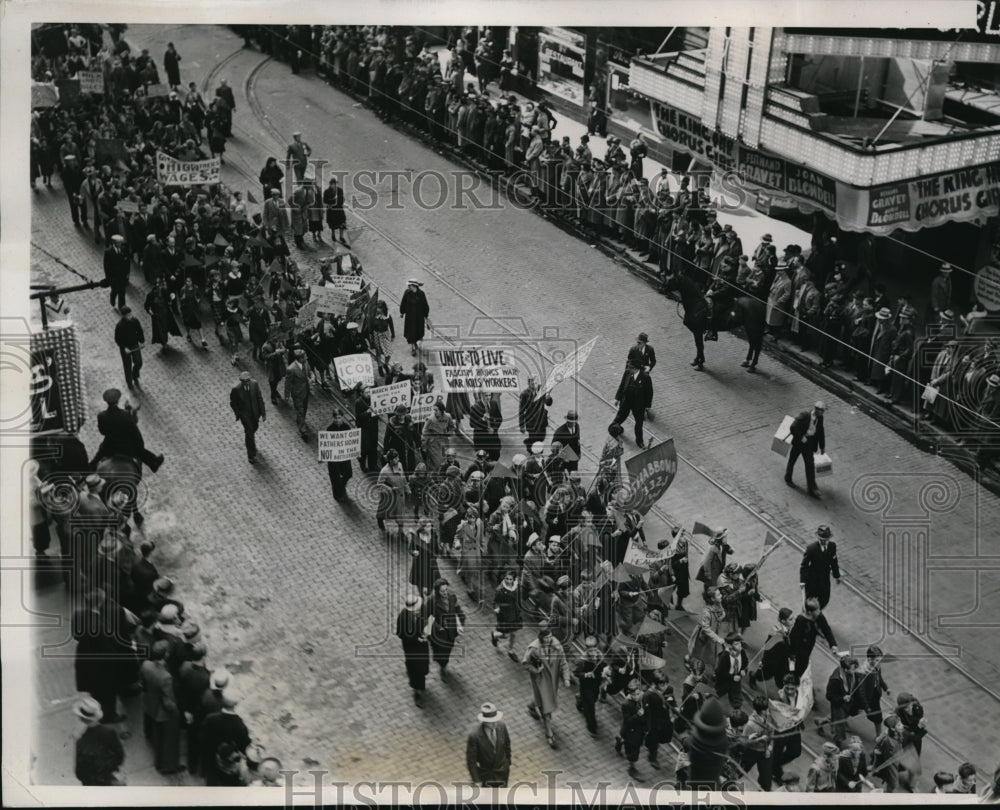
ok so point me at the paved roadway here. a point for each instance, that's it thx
(288, 585)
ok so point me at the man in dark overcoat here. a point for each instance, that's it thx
(819, 562)
(247, 403)
(487, 750)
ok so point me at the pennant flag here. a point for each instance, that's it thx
(770, 539)
(246, 260)
(701, 528)
(501, 470)
(285, 285)
(220, 240)
(274, 267)
(623, 642)
(889, 658)
(251, 198)
(650, 661)
(650, 627)
(664, 594)
(567, 454)
(621, 574)
(191, 261)
(352, 234)
(258, 242)
(211, 261)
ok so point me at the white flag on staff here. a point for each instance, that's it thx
(385, 398)
(567, 367)
(353, 369)
(339, 445)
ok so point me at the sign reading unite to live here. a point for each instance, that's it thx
(477, 369)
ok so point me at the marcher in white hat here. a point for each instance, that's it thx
(414, 309)
(487, 749)
(410, 631)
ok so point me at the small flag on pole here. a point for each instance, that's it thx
(501, 470)
(621, 574)
(770, 539)
(251, 198)
(220, 240)
(567, 454)
(650, 627)
(650, 661)
(701, 528)
(664, 594)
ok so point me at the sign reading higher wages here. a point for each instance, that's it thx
(477, 369)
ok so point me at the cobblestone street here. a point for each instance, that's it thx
(297, 594)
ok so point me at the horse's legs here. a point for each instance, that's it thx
(699, 344)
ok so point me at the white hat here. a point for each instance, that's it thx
(518, 460)
(488, 713)
(883, 314)
(537, 449)
(117, 238)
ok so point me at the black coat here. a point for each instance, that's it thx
(120, 431)
(568, 435)
(117, 265)
(533, 413)
(488, 763)
(802, 637)
(800, 427)
(341, 467)
(637, 392)
(414, 309)
(816, 569)
(723, 671)
(128, 333)
(216, 729)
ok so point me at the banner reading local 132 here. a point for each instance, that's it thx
(173, 172)
(476, 368)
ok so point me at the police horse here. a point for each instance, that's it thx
(745, 311)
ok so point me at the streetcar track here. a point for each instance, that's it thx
(766, 521)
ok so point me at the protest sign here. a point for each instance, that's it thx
(568, 367)
(422, 406)
(305, 316)
(476, 369)
(385, 398)
(353, 369)
(650, 475)
(91, 81)
(352, 283)
(330, 299)
(339, 445)
(640, 558)
(173, 172)
(157, 90)
(128, 206)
